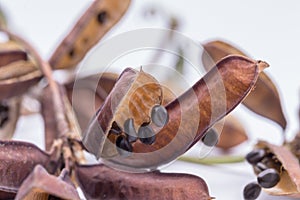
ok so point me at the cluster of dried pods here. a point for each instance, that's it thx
(145, 119)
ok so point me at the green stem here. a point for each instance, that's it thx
(213, 160)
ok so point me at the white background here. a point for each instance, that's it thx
(267, 30)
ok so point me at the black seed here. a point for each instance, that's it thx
(71, 53)
(123, 145)
(101, 17)
(159, 115)
(268, 178)
(130, 130)
(146, 134)
(4, 113)
(115, 129)
(210, 138)
(255, 156)
(251, 191)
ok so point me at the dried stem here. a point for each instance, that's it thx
(213, 160)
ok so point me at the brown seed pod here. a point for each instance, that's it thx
(264, 99)
(184, 128)
(96, 21)
(10, 52)
(9, 112)
(86, 90)
(287, 165)
(18, 159)
(232, 133)
(101, 182)
(41, 185)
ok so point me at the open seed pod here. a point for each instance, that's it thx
(283, 162)
(127, 132)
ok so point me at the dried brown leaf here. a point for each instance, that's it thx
(184, 128)
(94, 23)
(232, 132)
(101, 182)
(289, 184)
(264, 99)
(8, 125)
(40, 185)
(18, 159)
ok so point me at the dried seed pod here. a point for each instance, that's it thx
(18, 159)
(101, 182)
(94, 23)
(41, 185)
(86, 90)
(231, 132)
(9, 115)
(10, 52)
(183, 129)
(288, 167)
(264, 99)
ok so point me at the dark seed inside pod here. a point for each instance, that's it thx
(146, 134)
(268, 178)
(4, 113)
(124, 146)
(130, 130)
(255, 156)
(210, 138)
(251, 191)
(102, 17)
(159, 115)
(115, 129)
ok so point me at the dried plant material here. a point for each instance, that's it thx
(182, 130)
(11, 51)
(100, 182)
(40, 185)
(288, 167)
(86, 90)
(95, 22)
(232, 133)
(264, 99)
(18, 159)
(9, 115)
(17, 77)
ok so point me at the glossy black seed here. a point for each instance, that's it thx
(146, 134)
(124, 147)
(255, 156)
(210, 138)
(115, 129)
(159, 115)
(102, 17)
(268, 178)
(251, 191)
(130, 130)
(4, 114)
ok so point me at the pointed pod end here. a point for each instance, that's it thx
(262, 65)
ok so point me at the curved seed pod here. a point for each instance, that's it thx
(232, 133)
(41, 185)
(234, 76)
(86, 90)
(9, 115)
(288, 167)
(101, 182)
(10, 52)
(18, 159)
(264, 99)
(96, 21)
(16, 77)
